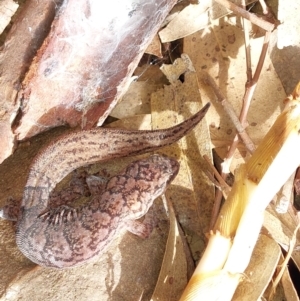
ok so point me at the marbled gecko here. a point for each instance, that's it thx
(64, 236)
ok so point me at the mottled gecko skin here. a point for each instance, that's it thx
(70, 237)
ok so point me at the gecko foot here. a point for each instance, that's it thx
(77, 188)
(59, 215)
(96, 184)
(143, 228)
(81, 185)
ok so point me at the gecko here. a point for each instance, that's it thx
(65, 237)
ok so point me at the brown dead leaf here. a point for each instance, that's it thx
(289, 27)
(179, 67)
(281, 228)
(154, 47)
(192, 193)
(285, 290)
(151, 74)
(285, 49)
(278, 231)
(192, 18)
(137, 122)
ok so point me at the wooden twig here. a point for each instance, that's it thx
(231, 113)
(222, 184)
(227, 161)
(247, 45)
(264, 7)
(249, 16)
(250, 88)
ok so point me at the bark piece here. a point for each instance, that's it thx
(26, 35)
(87, 61)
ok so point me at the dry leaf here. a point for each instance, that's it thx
(137, 122)
(136, 100)
(174, 271)
(179, 67)
(288, 30)
(191, 193)
(191, 19)
(155, 47)
(7, 10)
(259, 272)
(285, 49)
(288, 287)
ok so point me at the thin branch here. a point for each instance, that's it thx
(246, 24)
(249, 16)
(227, 161)
(262, 56)
(251, 86)
(231, 113)
(264, 7)
(223, 185)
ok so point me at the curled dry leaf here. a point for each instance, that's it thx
(174, 271)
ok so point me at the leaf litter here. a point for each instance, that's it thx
(218, 49)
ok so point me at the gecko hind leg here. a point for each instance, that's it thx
(77, 189)
(81, 185)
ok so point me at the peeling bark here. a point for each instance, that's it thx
(26, 35)
(86, 62)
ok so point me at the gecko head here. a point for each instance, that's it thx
(175, 165)
(161, 169)
(143, 181)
